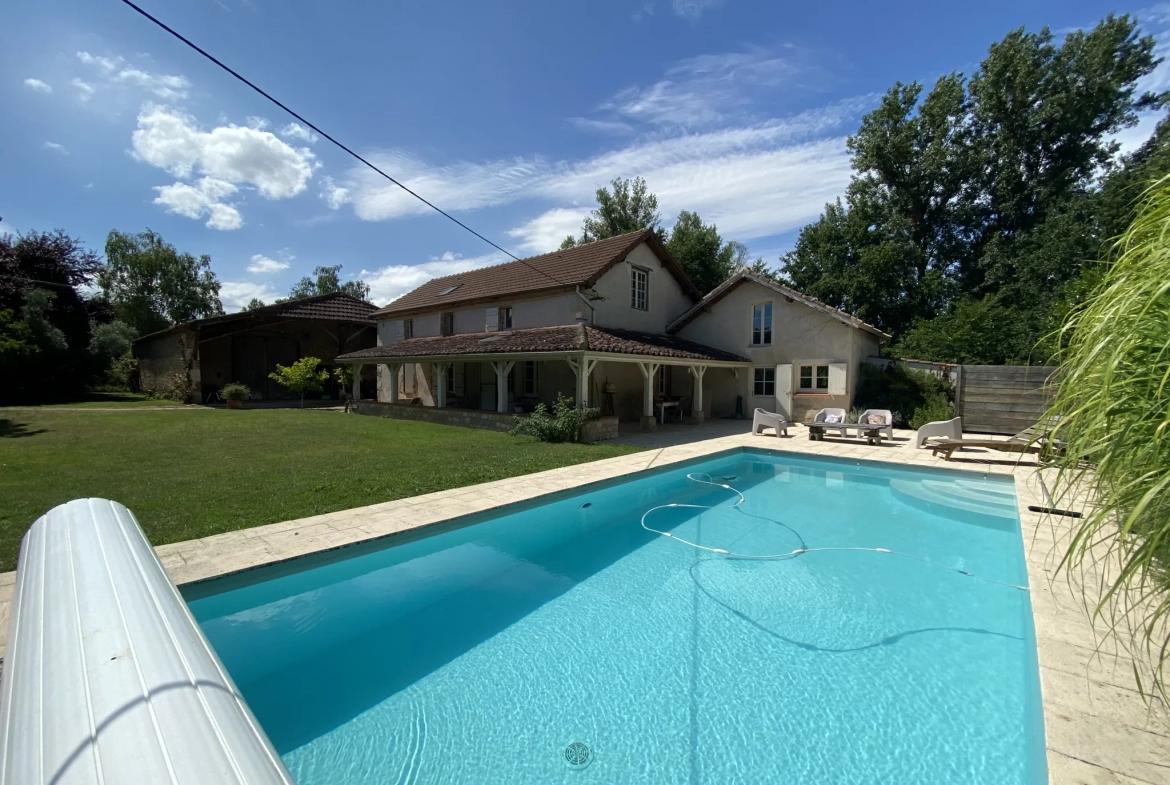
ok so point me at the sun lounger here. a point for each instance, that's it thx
(827, 420)
(1034, 440)
(765, 419)
(873, 423)
(941, 429)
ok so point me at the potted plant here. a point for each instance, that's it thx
(235, 394)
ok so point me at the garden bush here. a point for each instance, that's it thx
(914, 397)
(562, 424)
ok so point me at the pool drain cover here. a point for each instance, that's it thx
(577, 755)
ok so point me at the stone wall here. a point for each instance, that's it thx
(600, 429)
(465, 418)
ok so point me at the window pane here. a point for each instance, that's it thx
(806, 377)
(822, 377)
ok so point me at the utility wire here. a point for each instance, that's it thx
(437, 209)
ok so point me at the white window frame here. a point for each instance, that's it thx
(662, 371)
(762, 386)
(762, 336)
(447, 323)
(820, 376)
(639, 288)
(505, 317)
(531, 378)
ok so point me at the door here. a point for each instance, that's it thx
(784, 390)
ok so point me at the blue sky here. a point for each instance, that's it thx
(509, 115)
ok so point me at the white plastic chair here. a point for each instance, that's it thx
(873, 431)
(821, 423)
(765, 419)
(946, 429)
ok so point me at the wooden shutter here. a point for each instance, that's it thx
(784, 389)
(398, 329)
(492, 320)
(837, 373)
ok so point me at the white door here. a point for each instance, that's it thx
(784, 390)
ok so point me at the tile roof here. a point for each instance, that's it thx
(332, 307)
(579, 266)
(564, 338)
(725, 288)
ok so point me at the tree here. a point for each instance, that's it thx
(628, 208)
(41, 280)
(327, 280)
(152, 286)
(701, 252)
(987, 188)
(301, 377)
(253, 304)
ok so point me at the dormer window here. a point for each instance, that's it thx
(450, 289)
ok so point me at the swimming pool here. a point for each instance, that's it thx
(563, 642)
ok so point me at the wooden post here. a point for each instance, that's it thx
(582, 369)
(502, 369)
(357, 383)
(441, 371)
(697, 371)
(392, 371)
(648, 371)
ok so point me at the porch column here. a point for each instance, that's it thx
(441, 371)
(582, 369)
(502, 369)
(357, 383)
(697, 371)
(392, 371)
(648, 371)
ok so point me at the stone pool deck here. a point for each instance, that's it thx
(1099, 729)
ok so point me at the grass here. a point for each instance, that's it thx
(196, 472)
(121, 400)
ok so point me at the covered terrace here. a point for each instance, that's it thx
(628, 374)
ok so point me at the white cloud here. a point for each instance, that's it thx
(85, 90)
(171, 140)
(236, 294)
(38, 85)
(261, 264)
(115, 70)
(298, 131)
(105, 65)
(753, 181)
(333, 194)
(693, 9)
(705, 90)
(162, 85)
(202, 199)
(391, 282)
(602, 126)
(547, 231)
(54, 146)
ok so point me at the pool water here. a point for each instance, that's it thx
(563, 643)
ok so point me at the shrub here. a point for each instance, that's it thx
(905, 391)
(235, 391)
(562, 424)
(301, 377)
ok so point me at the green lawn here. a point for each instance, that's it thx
(123, 400)
(195, 472)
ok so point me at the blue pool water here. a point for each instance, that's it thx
(479, 654)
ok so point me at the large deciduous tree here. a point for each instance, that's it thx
(152, 286)
(326, 280)
(702, 253)
(981, 200)
(629, 207)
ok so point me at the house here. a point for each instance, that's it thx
(614, 323)
(246, 346)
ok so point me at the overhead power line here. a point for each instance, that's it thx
(321, 133)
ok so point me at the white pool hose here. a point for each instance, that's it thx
(706, 479)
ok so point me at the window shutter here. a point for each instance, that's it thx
(492, 323)
(398, 329)
(837, 378)
(457, 375)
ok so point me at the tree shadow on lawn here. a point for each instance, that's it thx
(13, 429)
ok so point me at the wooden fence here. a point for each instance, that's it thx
(1002, 398)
